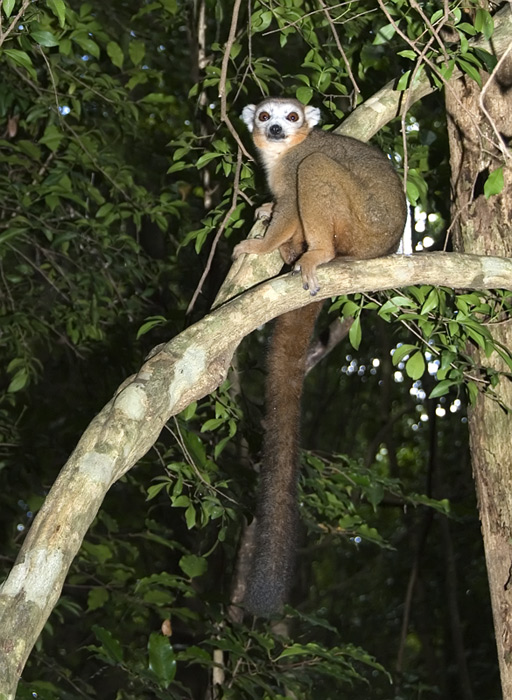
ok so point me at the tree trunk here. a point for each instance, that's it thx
(479, 127)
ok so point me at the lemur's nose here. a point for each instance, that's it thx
(275, 129)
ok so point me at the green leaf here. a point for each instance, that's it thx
(193, 566)
(155, 489)
(52, 201)
(441, 389)
(304, 94)
(494, 183)
(484, 23)
(158, 98)
(162, 659)
(355, 333)
(413, 192)
(136, 51)
(404, 81)
(442, 506)
(467, 29)
(375, 494)
(417, 187)
(59, 10)
(472, 390)
(11, 233)
(18, 382)
(181, 502)
(176, 167)
(394, 305)
(401, 352)
(384, 34)
(30, 149)
(97, 598)
(295, 650)
(415, 365)
(447, 357)
(97, 552)
(7, 7)
(22, 59)
(447, 70)
(431, 302)
(149, 324)
(189, 412)
(470, 70)
(211, 424)
(44, 38)
(104, 210)
(86, 43)
(109, 644)
(180, 152)
(206, 158)
(115, 54)
(52, 137)
(261, 20)
(350, 308)
(170, 6)
(65, 47)
(190, 517)
(408, 53)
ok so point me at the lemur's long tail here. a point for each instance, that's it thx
(277, 509)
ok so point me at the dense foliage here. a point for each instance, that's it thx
(116, 173)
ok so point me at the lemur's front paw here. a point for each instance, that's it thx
(264, 213)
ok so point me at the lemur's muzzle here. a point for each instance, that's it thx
(275, 131)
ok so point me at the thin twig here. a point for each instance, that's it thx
(68, 127)
(433, 30)
(296, 23)
(410, 42)
(407, 100)
(202, 62)
(405, 110)
(342, 52)
(4, 35)
(54, 86)
(223, 79)
(503, 147)
(32, 264)
(431, 65)
(219, 232)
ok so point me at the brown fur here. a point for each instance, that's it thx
(277, 515)
(334, 196)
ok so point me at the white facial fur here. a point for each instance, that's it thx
(271, 144)
(278, 109)
(248, 116)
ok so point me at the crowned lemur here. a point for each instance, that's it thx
(333, 196)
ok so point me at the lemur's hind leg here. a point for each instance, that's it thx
(328, 229)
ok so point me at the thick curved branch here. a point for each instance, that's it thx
(187, 368)
(363, 123)
(183, 370)
(387, 103)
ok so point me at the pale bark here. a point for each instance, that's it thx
(374, 113)
(362, 123)
(484, 226)
(187, 368)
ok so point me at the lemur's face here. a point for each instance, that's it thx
(280, 123)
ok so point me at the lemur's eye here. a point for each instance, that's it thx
(263, 116)
(293, 117)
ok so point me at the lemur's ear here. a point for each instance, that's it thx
(248, 116)
(312, 116)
